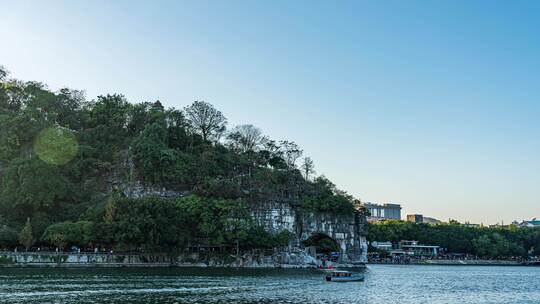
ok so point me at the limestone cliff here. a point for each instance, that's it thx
(347, 230)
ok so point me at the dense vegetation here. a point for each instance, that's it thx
(65, 162)
(457, 238)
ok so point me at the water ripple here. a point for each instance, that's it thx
(384, 284)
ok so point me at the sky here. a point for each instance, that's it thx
(432, 104)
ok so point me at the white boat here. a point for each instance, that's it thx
(344, 276)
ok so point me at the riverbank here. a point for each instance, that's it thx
(289, 260)
(463, 263)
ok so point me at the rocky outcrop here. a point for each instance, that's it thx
(348, 231)
(275, 216)
(138, 189)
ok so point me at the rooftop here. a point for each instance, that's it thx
(388, 205)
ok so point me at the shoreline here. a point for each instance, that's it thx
(462, 263)
(252, 261)
(280, 266)
(284, 260)
(166, 265)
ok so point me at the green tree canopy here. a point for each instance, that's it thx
(65, 161)
(79, 233)
(26, 237)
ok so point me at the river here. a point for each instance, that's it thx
(384, 284)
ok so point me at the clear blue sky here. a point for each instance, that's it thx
(434, 104)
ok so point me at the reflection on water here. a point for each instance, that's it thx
(383, 284)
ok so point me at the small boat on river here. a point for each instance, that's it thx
(344, 276)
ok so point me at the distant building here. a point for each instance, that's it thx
(419, 218)
(413, 248)
(407, 248)
(431, 221)
(530, 224)
(382, 245)
(415, 218)
(388, 211)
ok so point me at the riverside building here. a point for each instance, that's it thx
(387, 211)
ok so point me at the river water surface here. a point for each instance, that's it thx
(383, 284)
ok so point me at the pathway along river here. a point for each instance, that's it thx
(383, 284)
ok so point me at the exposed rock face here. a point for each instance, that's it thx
(349, 231)
(124, 180)
(137, 189)
(275, 216)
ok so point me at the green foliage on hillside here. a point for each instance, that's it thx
(62, 157)
(8, 236)
(79, 233)
(457, 238)
(325, 197)
(152, 223)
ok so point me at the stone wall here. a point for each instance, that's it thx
(248, 260)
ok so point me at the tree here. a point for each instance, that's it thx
(56, 146)
(495, 245)
(25, 237)
(25, 110)
(272, 154)
(154, 160)
(61, 155)
(215, 221)
(325, 197)
(307, 167)
(8, 236)
(3, 73)
(291, 152)
(177, 127)
(149, 222)
(244, 138)
(30, 186)
(206, 120)
(106, 127)
(457, 238)
(283, 238)
(68, 233)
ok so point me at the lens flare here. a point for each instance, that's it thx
(56, 146)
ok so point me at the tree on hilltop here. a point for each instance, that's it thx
(308, 168)
(206, 120)
(245, 138)
(291, 152)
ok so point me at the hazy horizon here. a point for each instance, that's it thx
(432, 105)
